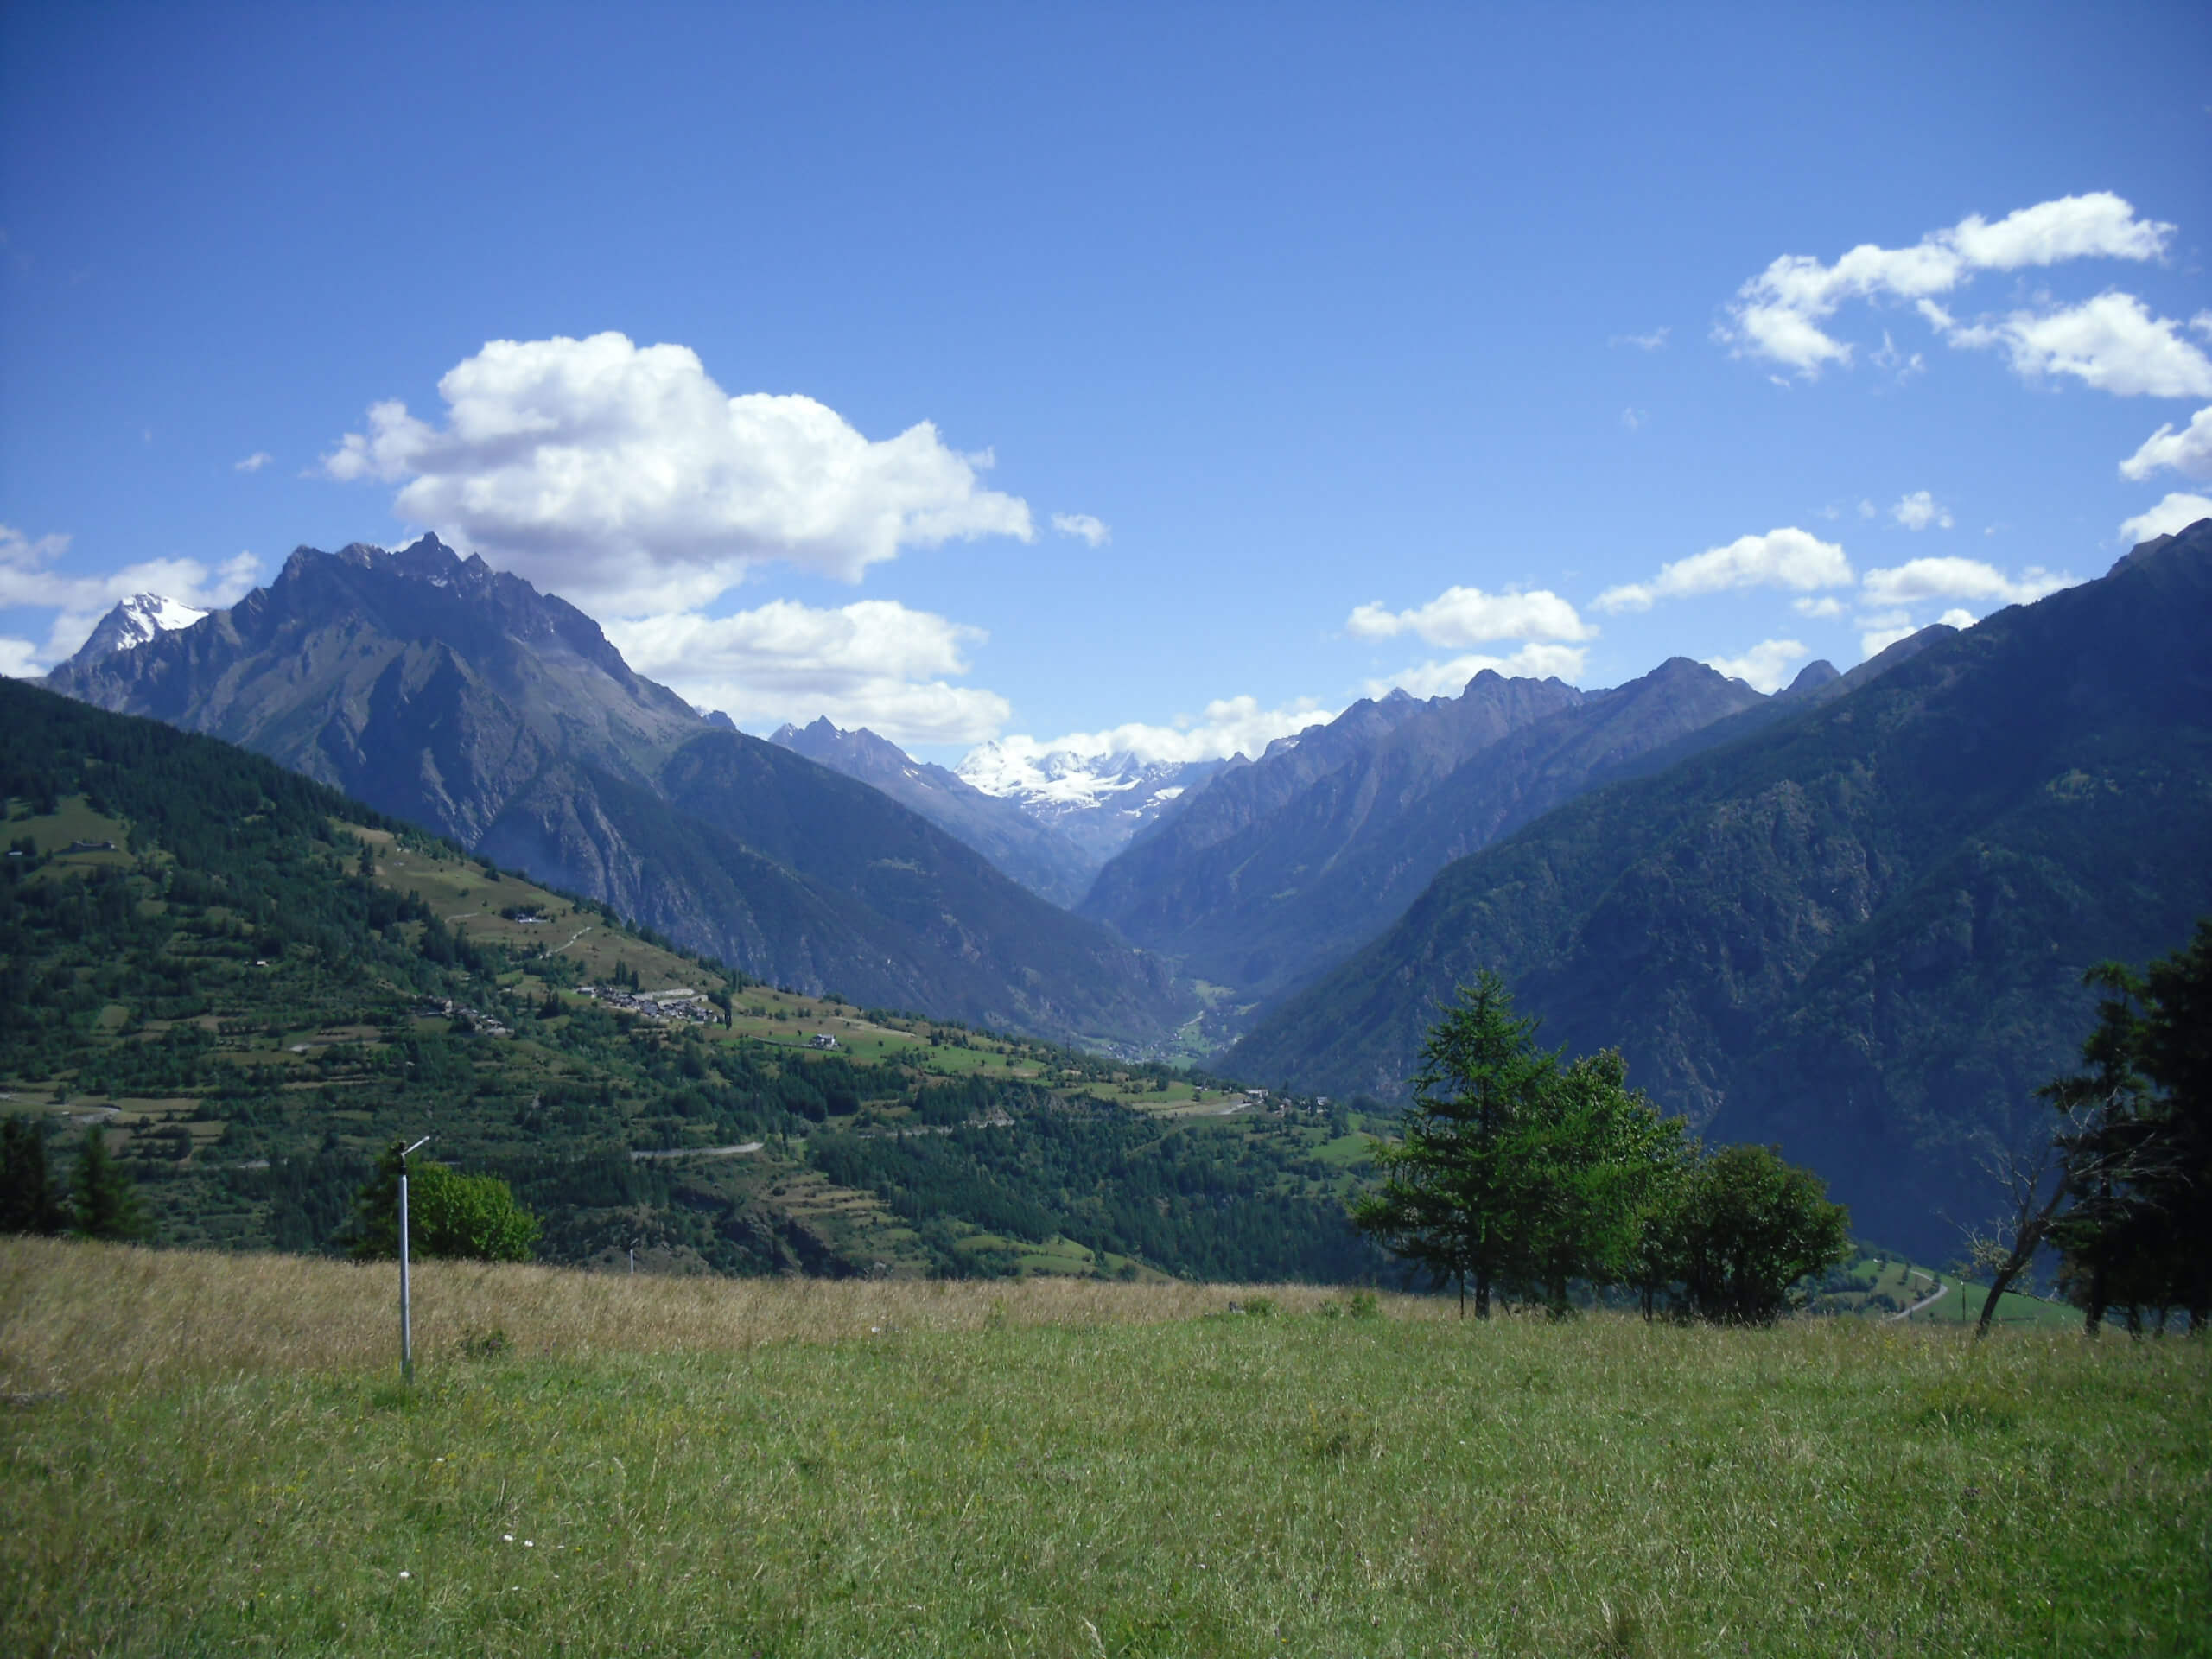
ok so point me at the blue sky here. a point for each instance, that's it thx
(1345, 346)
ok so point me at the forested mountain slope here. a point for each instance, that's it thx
(1861, 931)
(254, 984)
(453, 696)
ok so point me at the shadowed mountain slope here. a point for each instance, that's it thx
(1859, 933)
(1278, 870)
(1033, 853)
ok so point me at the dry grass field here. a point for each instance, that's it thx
(209, 1453)
(76, 1316)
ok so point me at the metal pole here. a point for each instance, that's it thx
(406, 1310)
(406, 1323)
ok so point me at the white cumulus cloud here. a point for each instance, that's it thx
(624, 478)
(1826, 606)
(1787, 557)
(1766, 666)
(29, 581)
(2176, 511)
(2111, 342)
(2188, 452)
(252, 463)
(1956, 578)
(1082, 525)
(1919, 510)
(1468, 616)
(1778, 313)
(1533, 661)
(875, 663)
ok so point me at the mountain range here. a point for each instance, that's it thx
(1099, 800)
(1851, 918)
(444, 692)
(1857, 927)
(1274, 872)
(1278, 869)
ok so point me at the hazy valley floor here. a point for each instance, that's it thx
(207, 1454)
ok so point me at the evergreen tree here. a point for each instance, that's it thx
(2137, 1234)
(107, 1199)
(28, 1201)
(2177, 1057)
(1516, 1172)
(1451, 1197)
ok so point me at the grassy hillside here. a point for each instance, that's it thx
(206, 1453)
(253, 1013)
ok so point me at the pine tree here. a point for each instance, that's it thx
(1451, 1187)
(29, 1201)
(107, 1199)
(2138, 1145)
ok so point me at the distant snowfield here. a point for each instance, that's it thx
(1060, 781)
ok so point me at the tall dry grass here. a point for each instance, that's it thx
(74, 1315)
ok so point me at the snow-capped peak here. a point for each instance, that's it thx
(154, 614)
(134, 622)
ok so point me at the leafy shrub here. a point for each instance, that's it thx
(467, 1218)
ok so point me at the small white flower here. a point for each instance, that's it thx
(509, 1536)
(529, 1543)
(404, 1574)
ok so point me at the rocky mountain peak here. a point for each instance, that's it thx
(134, 622)
(1810, 678)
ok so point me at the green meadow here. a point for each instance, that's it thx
(205, 1453)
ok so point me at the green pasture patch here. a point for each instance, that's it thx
(1345, 1150)
(1234, 1487)
(56, 832)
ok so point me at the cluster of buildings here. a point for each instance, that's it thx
(490, 1024)
(680, 1003)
